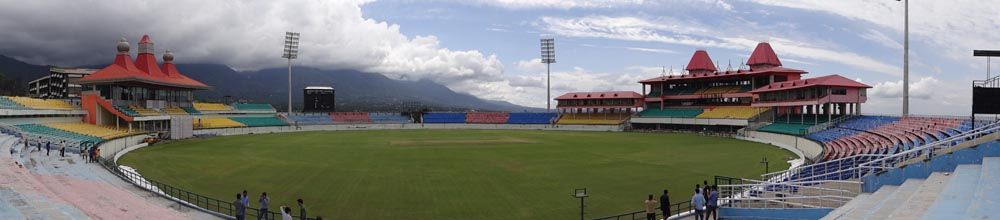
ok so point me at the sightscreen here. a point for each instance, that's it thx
(985, 100)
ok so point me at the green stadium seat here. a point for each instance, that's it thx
(671, 112)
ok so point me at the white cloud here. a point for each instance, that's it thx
(928, 96)
(653, 71)
(560, 4)
(532, 65)
(882, 39)
(672, 31)
(650, 50)
(923, 88)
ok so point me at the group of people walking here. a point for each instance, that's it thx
(242, 202)
(705, 202)
(88, 154)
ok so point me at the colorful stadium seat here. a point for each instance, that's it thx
(486, 117)
(253, 107)
(6, 103)
(202, 123)
(671, 112)
(33, 103)
(531, 118)
(90, 130)
(732, 112)
(203, 106)
(175, 111)
(259, 121)
(593, 118)
(320, 119)
(388, 118)
(350, 117)
(441, 117)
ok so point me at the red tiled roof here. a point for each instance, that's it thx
(144, 70)
(599, 95)
(701, 61)
(723, 74)
(831, 80)
(763, 54)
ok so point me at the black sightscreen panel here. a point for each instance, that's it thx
(985, 100)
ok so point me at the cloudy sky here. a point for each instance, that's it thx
(489, 48)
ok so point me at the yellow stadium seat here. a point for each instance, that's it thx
(175, 111)
(202, 123)
(732, 112)
(593, 118)
(54, 104)
(204, 106)
(91, 130)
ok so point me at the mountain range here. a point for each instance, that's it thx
(355, 90)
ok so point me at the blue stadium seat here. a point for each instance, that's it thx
(440, 117)
(531, 118)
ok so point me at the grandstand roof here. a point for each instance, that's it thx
(763, 55)
(723, 74)
(144, 69)
(831, 80)
(600, 95)
(701, 61)
(319, 88)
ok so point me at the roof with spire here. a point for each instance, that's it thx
(600, 95)
(144, 69)
(831, 80)
(763, 55)
(701, 61)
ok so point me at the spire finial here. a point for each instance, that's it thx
(168, 57)
(123, 46)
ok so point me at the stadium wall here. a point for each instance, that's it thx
(804, 148)
(346, 127)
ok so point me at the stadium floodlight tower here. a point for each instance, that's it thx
(906, 57)
(291, 52)
(548, 58)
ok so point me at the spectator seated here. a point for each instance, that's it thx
(531, 118)
(350, 117)
(203, 106)
(105, 133)
(6, 103)
(175, 111)
(259, 121)
(388, 118)
(204, 123)
(671, 112)
(733, 112)
(441, 117)
(486, 117)
(593, 118)
(33, 103)
(253, 107)
(319, 119)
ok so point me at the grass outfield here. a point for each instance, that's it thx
(452, 174)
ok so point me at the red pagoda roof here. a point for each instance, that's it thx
(831, 80)
(763, 54)
(701, 61)
(600, 95)
(144, 69)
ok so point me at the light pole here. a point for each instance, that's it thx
(291, 52)
(580, 194)
(548, 58)
(906, 57)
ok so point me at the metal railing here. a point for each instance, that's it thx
(182, 196)
(675, 209)
(829, 124)
(803, 194)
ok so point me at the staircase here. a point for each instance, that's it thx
(956, 188)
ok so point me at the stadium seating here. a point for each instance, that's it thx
(717, 90)
(126, 110)
(203, 106)
(441, 117)
(143, 111)
(486, 117)
(654, 94)
(883, 134)
(52, 132)
(90, 130)
(592, 118)
(786, 128)
(388, 118)
(33, 103)
(6, 103)
(733, 112)
(253, 107)
(191, 110)
(681, 91)
(531, 118)
(175, 111)
(202, 123)
(259, 121)
(321, 119)
(350, 117)
(671, 112)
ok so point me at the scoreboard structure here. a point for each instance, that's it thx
(319, 99)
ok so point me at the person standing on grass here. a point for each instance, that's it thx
(286, 213)
(239, 208)
(713, 203)
(302, 210)
(698, 202)
(264, 201)
(665, 204)
(650, 205)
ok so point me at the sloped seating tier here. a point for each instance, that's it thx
(310, 119)
(33, 103)
(350, 117)
(717, 90)
(175, 111)
(681, 91)
(202, 123)
(253, 107)
(732, 112)
(388, 117)
(6, 103)
(90, 130)
(127, 111)
(804, 119)
(671, 112)
(531, 118)
(204, 106)
(486, 117)
(52, 132)
(191, 110)
(884, 134)
(444, 117)
(144, 111)
(259, 121)
(786, 128)
(593, 118)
